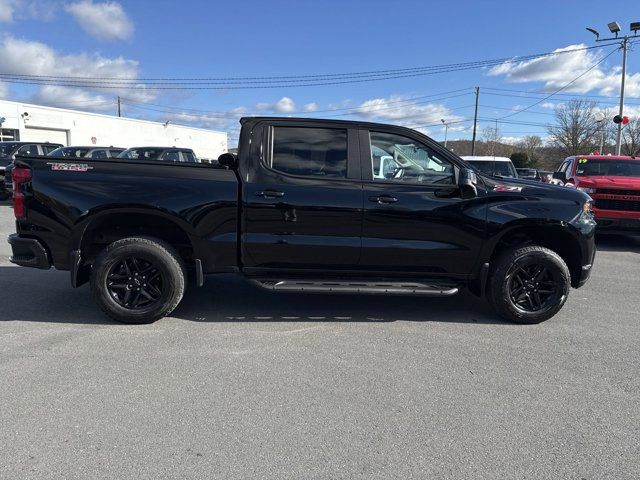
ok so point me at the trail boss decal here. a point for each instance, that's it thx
(506, 188)
(70, 167)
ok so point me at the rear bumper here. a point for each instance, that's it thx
(28, 252)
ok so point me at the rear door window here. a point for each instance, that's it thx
(310, 152)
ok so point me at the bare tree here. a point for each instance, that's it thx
(631, 138)
(576, 128)
(491, 136)
(531, 145)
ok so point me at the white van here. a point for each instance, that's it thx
(496, 166)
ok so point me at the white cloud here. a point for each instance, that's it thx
(7, 8)
(284, 105)
(310, 107)
(11, 10)
(104, 21)
(398, 109)
(558, 70)
(43, 60)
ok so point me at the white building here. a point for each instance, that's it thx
(36, 123)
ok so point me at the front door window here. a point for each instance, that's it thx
(396, 158)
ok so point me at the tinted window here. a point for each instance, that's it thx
(28, 150)
(142, 153)
(189, 157)
(402, 159)
(318, 152)
(49, 148)
(98, 154)
(498, 169)
(170, 156)
(69, 152)
(115, 153)
(6, 149)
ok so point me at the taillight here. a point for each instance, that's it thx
(19, 175)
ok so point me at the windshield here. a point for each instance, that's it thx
(141, 153)
(6, 149)
(497, 169)
(608, 168)
(69, 152)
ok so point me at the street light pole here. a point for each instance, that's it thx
(446, 129)
(614, 28)
(624, 74)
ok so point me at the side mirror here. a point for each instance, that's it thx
(228, 160)
(467, 180)
(562, 176)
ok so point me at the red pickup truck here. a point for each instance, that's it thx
(614, 184)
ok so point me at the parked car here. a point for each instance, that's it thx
(529, 173)
(184, 155)
(545, 176)
(9, 150)
(303, 208)
(87, 152)
(614, 184)
(496, 166)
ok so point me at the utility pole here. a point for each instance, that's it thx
(475, 123)
(614, 27)
(119, 107)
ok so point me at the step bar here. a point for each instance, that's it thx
(350, 286)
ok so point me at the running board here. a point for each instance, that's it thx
(392, 288)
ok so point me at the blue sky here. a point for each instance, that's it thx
(137, 39)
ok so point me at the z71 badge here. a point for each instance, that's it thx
(70, 167)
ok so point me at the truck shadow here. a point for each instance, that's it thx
(46, 296)
(618, 243)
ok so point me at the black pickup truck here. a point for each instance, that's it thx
(306, 206)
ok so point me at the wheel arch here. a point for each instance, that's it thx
(559, 237)
(97, 231)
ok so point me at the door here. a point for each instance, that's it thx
(31, 134)
(415, 220)
(302, 199)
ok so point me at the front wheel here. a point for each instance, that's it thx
(138, 280)
(529, 284)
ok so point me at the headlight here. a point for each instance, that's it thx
(586, 207)
(587, 189)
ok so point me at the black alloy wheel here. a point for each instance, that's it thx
(533, 287)
(135, 283)
(528, 284)
(138, 279)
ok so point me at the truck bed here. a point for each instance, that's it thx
(71, 197)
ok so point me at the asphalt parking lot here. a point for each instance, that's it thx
(243, 384)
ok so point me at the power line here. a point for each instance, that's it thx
(222, 83)
(563, 87)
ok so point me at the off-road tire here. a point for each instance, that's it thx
(158, 253)
(501, 276)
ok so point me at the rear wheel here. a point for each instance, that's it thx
(138, 280)
(529, 284)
